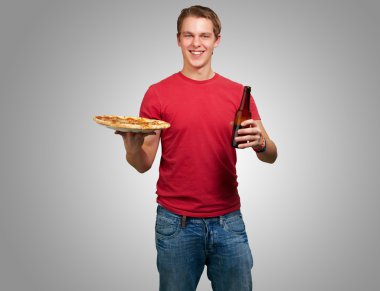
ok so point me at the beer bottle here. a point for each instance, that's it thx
(242, 114)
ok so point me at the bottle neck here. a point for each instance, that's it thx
(245, 100)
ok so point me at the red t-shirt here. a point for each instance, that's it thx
(197, 174)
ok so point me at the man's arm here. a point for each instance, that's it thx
(253, 138)
(141, 148)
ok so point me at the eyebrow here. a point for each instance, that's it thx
(202, 33)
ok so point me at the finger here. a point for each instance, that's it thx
(246, 145)
(122, 133)
(149, 133)
(249, 143)
(248, 122)
(247, 138)
(249, 130)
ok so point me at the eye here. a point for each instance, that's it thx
(205, 36)
(186, 35)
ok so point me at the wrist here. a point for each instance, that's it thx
(262, 146)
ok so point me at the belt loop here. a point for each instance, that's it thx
(183, 221)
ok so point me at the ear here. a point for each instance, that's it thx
(217, 42)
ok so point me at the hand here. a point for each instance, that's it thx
(249, 136)
(133, 141)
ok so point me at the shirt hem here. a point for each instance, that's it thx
(199, 214)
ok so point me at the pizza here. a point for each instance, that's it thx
(130, 123)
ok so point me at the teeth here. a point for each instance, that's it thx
(196, 53)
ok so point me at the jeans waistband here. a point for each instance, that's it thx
(184, 219)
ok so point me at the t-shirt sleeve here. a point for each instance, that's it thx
(150, 105)
(254, 110)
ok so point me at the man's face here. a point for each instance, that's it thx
(197, 42)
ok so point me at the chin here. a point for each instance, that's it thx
(198, 64)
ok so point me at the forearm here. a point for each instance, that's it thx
(270, 153)
(140, 148)
(139, 160)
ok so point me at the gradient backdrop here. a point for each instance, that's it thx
(74, 216)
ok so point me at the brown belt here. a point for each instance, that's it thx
(183, 221)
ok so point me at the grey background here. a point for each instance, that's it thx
(75, 217)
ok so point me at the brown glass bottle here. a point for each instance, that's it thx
(242, 114)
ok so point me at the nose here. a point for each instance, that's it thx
(196, 41)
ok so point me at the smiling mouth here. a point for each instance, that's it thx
(197, 53)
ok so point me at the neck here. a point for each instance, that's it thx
(198, 74)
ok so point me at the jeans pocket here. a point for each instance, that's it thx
(235, 224)
(166, 227)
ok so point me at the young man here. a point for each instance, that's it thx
(198, 217)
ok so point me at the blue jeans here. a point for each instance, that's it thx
(220, 243)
